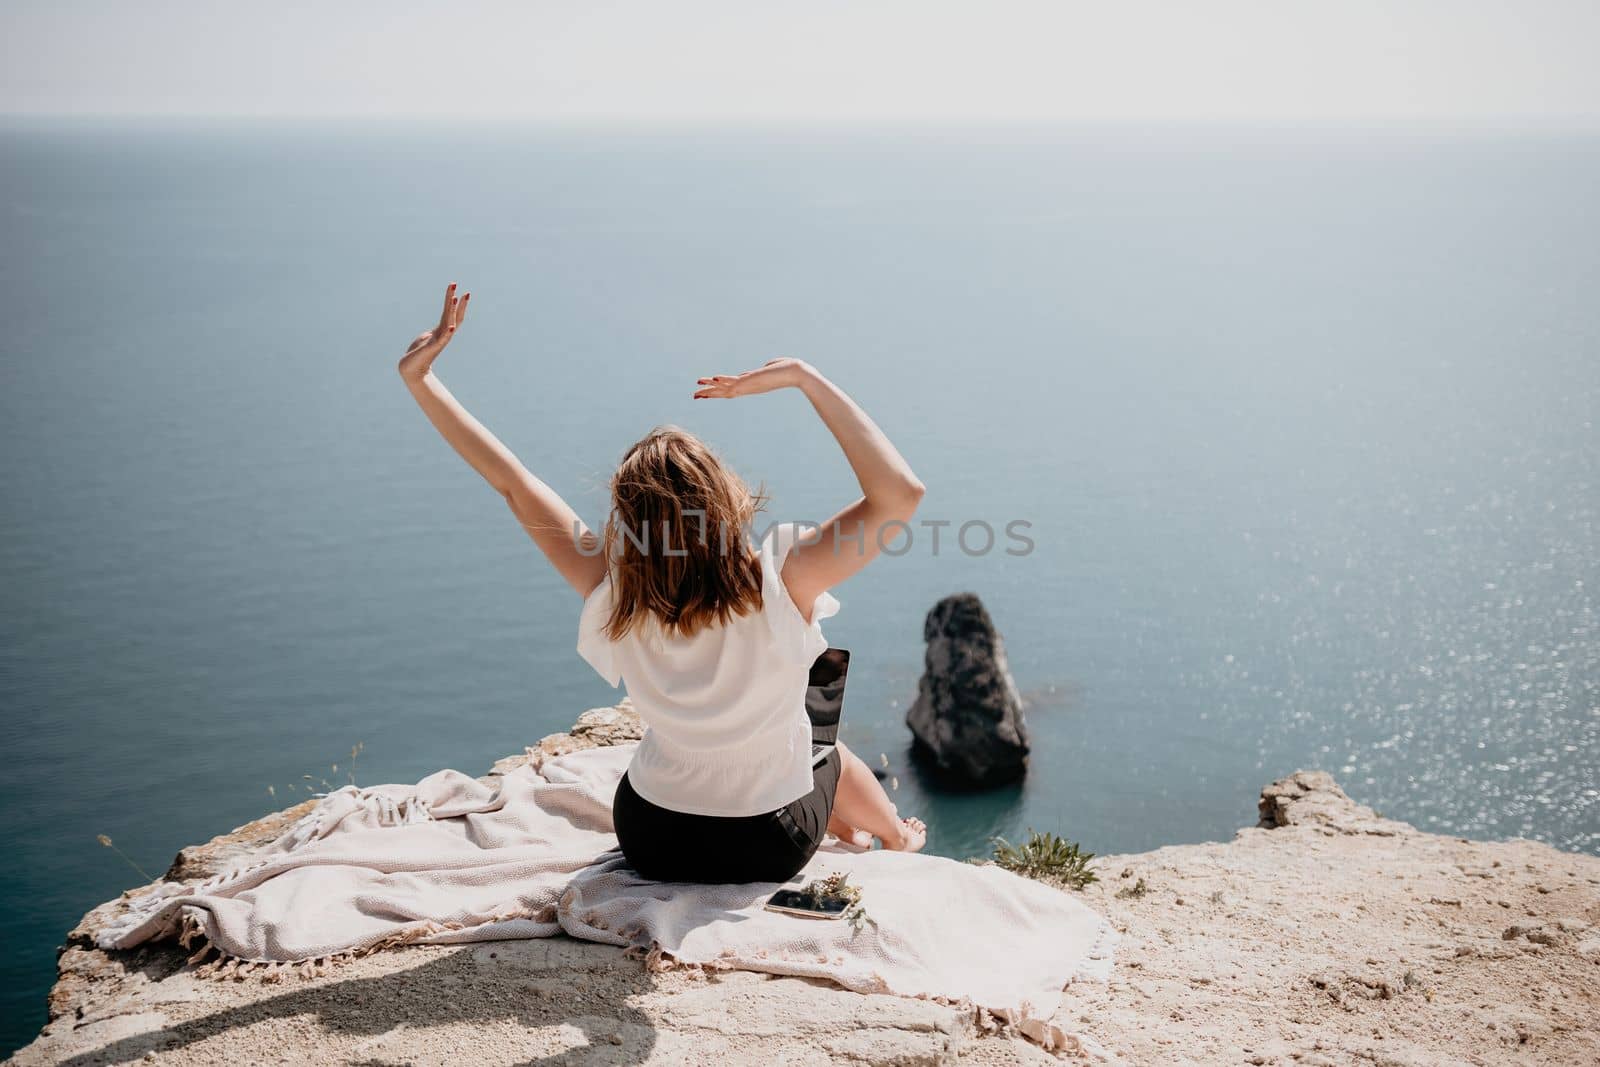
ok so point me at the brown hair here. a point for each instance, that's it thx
(675, 539)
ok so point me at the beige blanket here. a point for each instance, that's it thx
(453, 859)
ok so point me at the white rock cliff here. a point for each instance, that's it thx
(1324, 935)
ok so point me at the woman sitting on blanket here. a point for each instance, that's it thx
(713, 639)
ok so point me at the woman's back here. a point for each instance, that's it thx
(727, 732)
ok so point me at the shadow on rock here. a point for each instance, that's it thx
(530, 983)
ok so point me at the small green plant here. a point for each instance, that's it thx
(1134, 891)
(307, 780)
(1046, 856)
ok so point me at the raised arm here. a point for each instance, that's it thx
(539, 508)
(890, 492)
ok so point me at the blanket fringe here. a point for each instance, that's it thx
(226, 965)
(188, 930)
(657, 960)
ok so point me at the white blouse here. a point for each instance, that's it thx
(726, 731)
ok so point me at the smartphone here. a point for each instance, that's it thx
(790, 902)
(825, 700)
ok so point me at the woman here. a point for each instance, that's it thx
(714, 640)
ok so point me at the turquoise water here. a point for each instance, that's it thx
(1302, 421)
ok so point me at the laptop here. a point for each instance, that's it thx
(825, 701)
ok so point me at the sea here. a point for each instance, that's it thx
(1298, 422)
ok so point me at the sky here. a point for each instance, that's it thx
(818, 60)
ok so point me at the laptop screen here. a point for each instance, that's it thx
(825, 698)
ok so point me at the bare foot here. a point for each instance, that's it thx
(913, 835)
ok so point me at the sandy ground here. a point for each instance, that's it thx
(1327, 935)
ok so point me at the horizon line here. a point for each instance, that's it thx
(1455, 119)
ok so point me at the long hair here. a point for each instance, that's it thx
(675, 539)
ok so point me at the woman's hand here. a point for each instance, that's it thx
(774, 374)
(552, 524)
(418, 360)
(890, 492)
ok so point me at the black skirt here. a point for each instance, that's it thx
(673, 846)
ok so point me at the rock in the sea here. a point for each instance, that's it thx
(967, 719)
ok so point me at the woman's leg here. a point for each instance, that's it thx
(861, 803)
(847, 833)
